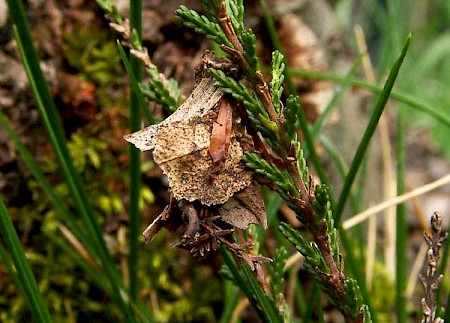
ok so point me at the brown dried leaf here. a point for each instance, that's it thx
(153, 228)
(178, 139)
(190, 176)
(180, 144)
(234, 213)
(244, 208)
(221, 132)
(203, 98)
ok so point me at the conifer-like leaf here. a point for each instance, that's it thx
(367, 316)
(353, 300)
(159, 92)
(308, 249)
(277, 271)
(202, 25)
(248, 40)
(210, 10)
(111, 9)
(301, 163)
(236, 11)
(256, 112)
(276, 85)
(290, 118)
(322, 206)
(281, 178)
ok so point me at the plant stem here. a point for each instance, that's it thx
(364, 144)
(135, 156)
(401, 227)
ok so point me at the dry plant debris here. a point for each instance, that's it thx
(198, 148)
(180, 146)
(432, 279)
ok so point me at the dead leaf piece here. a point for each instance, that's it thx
(204, 98)
(178, 139)
(221, 132)
(234, 213)
(180, 147)
(252, 199)
(244, 208)
(153, 228)
(190, 176)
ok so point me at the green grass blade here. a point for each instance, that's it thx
(315, 290)
(399, 96)
(363, 145)
(48, 112)
(134, 84)
(33, 167)
(28, 283)
(5, 259)
(401, 227)
(135, 155)
(251, 289)
(96, 276)
(271, 314)
(341, 167)
(231, 301)
(66, 217)
(321, 121)
(447, 308)
(300, 300)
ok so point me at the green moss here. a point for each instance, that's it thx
(93, 53)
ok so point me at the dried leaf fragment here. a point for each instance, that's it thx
(190, 176)
(203, 98)
(244, 208)
(182, 147)
(221, 132)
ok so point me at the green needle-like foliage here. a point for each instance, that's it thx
(276, 85)
(236, 11)
(281, 178)
(157, 92)
(248, 39)
(202, 25)
(290, 118)
(322, 206)
(277, 271)
(110, 9)
(308, 249)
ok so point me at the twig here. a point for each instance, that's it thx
(358, 218)
(318, 229)
(431, 280)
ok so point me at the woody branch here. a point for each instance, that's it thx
(336, 277)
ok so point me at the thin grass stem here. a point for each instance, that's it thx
(401, 226)
(58, 204)
(48, 112)
(397, 95)
(364, 144)
(28, 283)
(135, 155)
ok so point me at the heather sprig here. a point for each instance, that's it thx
(159, 89)
(276, 84)
(292, 181)
(202, 25)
